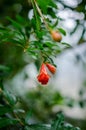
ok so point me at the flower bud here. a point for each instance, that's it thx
(56, 36)
(43, 76)
(51, 68)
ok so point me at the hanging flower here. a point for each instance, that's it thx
(43, 76)
(51, 68)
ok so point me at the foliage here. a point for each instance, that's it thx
(33, 35)
(10, 116)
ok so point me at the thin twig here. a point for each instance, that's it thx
(43, 18)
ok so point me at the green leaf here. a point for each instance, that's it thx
(66, 44)
(4, 71)
(4, 68)
(4, 110)
(12, 100)
(51, 12)
(57, 122)
(60, 124)
(55, 23)
(15, 24)
(62, 31)
(36, 21)
(28, 115)
(44, 4)
(22, 20)
(14, 36)
(48, 44)
(6, 121)
(33, 53)
(19, 111)
(38, 127)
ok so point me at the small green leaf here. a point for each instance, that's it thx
(6, 121)
(15, 24)
(28, 115)
(57, 122)
(51, 12)
(19, 111)
(44, 4)
(48, 44)
(4, 71)
(22, 20)
(66, 44)
(4, 68)
(38, 127)
(10, 97)
(62, 31)
(4, 110)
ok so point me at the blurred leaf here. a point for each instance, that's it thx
(44, 4)
(68, 126)
(62, 31)
(74, 30)
(27, 117)
(81, 103)
(66, 44)
(4, 29)
(15, 24)
(5, 34)
(37, 20)
(38, 127)
(4, 71)
(6, 121)
(12, 100)
(22, 20)
(55, 24)
(4, 68)
(49, 44)
(18, 111)
(4, 110)
(51, 12)
(57, 122)
(60, 124)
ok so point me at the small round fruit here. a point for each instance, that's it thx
(56, 36)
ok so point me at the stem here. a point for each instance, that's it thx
(35, 12)
(18, 119)
(43, 18)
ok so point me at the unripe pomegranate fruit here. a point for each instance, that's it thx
(56, 36)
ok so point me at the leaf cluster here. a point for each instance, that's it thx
(9, 116)
(14, 117)
(33, 35)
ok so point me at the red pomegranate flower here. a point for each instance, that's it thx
(43, 76)
(51, 68)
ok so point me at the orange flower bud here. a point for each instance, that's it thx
(51, 68)
(56, 36)
(43, 76)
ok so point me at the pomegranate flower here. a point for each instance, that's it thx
(51, 68)
(43, 76)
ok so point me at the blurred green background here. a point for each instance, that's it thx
(67, 89)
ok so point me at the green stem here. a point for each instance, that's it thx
(35, 13)
(43, 18)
